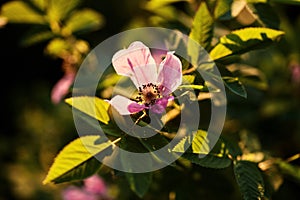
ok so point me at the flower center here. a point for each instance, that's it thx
(148, 94)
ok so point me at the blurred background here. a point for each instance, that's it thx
(34, 128)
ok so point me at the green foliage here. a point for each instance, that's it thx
(52, 21)
(235, 86)
(249, 179)
(58, 10)
(209, 161)
(202, 28)
(221, 8)
(80, 172)
(92, 106)
(139, 182)
(70, 163)
(197, 141)
(244, 40)
(82, 21)
(21, 12)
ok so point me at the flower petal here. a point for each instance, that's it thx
(158, 55)
(170, 73)
(121, 104)
(161, 104)
(135, 107)
(137, 63)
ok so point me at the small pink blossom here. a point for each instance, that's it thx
(155, 80)
(75, 193)
(95, 185)
(61, 88)
(94, 188)
(295, 69)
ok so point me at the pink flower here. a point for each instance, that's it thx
(95, 185)
(94, 188)
(75, 193)
(154, 82)
(62, 87)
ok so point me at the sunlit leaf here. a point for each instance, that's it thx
(92, 106)
(249, 179)
(202, 28)
(198, 142)
(58, 10)
(167, 13)
(154, 4)
(69, 163)
(83, 21)
(57, 47)
(244, 40)
(221, 8)
(40, 4)
(91, 123)
(188, 79)
(80, 172)
(235, 86)
(21, 12)
(217, 158)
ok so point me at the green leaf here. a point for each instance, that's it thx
(56, 47)
(21, 12)
(188, 79)
(111, 128)
(92, 106)
(139, 182)
(202, 29)
(221, 8)
(198, 142)
(36, 35)
(58, 10)
(155, 4)
(80, 172)
(40, 4)
(69, 163)
(244, 40)
(83, 21)
(217, 158)
(234, 85)
(249, 179)
(209, 161)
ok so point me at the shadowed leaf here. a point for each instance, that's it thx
(249, 179)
